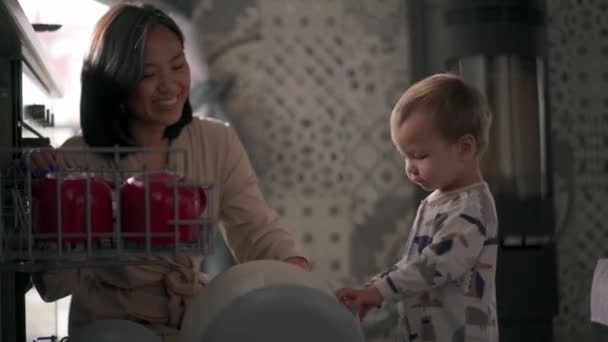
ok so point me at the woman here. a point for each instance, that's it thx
(135, 82)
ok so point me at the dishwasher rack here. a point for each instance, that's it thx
(25, 248)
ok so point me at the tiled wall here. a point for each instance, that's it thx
(578, 87)
(315, 82)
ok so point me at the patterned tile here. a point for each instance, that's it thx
(578, 35)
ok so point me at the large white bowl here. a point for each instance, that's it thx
(268, 301)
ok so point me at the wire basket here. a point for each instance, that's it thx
(100, 206)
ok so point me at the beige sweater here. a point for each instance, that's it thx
(158, 294)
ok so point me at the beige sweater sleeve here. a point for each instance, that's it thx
(253, 229)
(56, 284)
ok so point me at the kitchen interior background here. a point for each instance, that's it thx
(309, 86)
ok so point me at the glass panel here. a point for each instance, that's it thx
(515, 162)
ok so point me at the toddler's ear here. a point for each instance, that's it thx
(467, 145)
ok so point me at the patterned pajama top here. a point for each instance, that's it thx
(445, 281)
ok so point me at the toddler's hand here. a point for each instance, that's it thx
(346, 299)
(361, 300)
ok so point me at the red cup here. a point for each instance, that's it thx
(73, 191)
(192, 204)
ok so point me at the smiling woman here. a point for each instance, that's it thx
(135, 80)
(135, 83)
(161, 94)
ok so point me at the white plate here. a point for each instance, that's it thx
(268, 301)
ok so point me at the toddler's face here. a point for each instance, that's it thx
(431, 161)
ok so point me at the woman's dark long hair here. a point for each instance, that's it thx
(112, 69)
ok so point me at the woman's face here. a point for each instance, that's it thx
(160, 96)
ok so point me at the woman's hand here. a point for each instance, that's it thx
(361, 300)
(299, 261)
(43, 161)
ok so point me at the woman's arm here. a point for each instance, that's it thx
(253, 229)
(54, 285)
